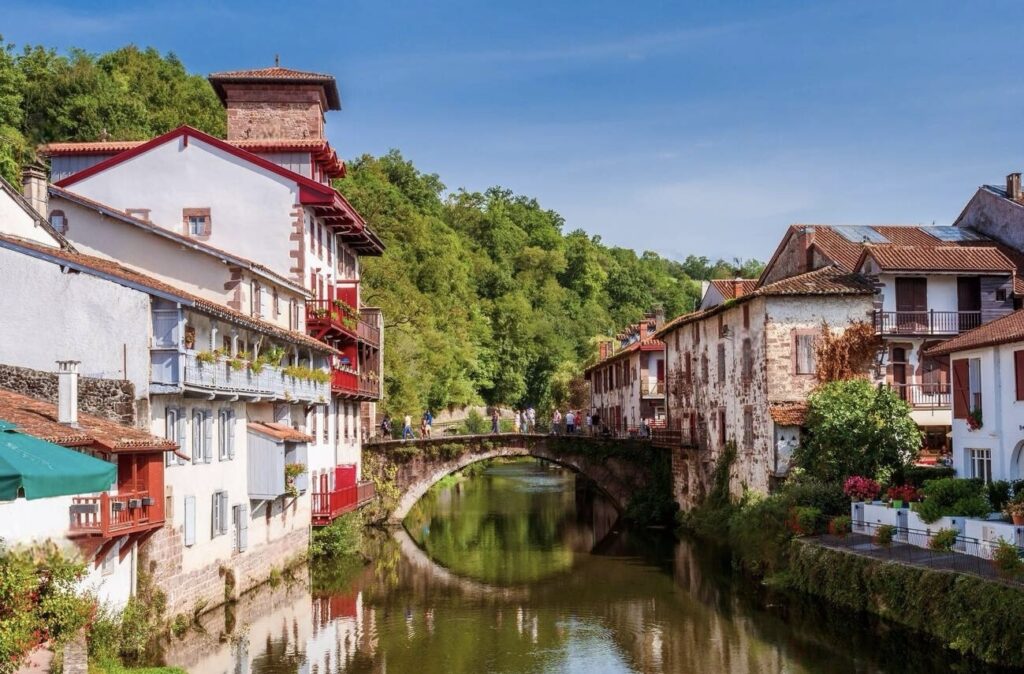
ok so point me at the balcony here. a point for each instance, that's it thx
(369, 385)
(328, 506)
(331, 318)
(925, 322)
(652, 389)
(348, 383)
(369, 326)
(219, 378)
(108, 516)
(925, 396)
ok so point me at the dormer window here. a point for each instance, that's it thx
(197, 222)
(59, 221)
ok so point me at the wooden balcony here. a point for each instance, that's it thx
(925, 396)
(369, 327)
(344, 382)
(331, 319)
(328, 506)
(108, 516)
(925, 322)
(652, 389)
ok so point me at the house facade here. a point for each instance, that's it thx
(289, 241)
(627, 384)
(740, 373)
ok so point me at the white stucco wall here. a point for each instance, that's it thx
(250, 207)
(49, 315)
(941, 294)
(16, 222)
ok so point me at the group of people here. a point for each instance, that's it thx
(573, 422)
(426, 426)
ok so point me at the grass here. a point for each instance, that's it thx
(114, 668)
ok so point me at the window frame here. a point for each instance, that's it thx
(187, 215)
(980, 457)
(799, 335)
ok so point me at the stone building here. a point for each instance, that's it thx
(739, 372)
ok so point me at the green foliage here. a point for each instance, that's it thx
(828, 498)
(998, 493)
(969, 614)
(475, 423)
(943, 539)
(39, 600)
(952, 497)
(341, 538)
(918, 475)
(856, 429)
(840, 525)
(758, 533)
(807, 520)
(884, 534)
(1006, 559)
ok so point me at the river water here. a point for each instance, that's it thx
(524, 568)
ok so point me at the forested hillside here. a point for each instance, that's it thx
(487, 297)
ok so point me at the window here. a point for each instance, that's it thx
(175, 431)
(324, 429)
(748, 361)
(746, 316)
(1018, 370)
(240, 520)
(276, 304)
(257, 299)
(197, 222)
(974, 379)
(721, 363)
(202, 436)
(721, 427)
(677, 339)
(1001, 295)
(748, 427)
(721, 326)
(293, 315)
(704, 368)
(981, 464)
(804, 361)
(59, 221)
(190, 521)
(226, 434)
(696, 333)
(219, 514)
(688, 369)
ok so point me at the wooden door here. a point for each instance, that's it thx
(968, 301)
(911, 304)
(899, 371)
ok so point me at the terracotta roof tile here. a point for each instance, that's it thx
(639, 345)
(134, 277)
(39, 418)
(278, 74)
(940, 258)
(788, 414)
(1009, 328)
(279, 431)
(727, 287)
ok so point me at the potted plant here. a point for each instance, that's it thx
(190, 337)
(206, 357)
(900, 495)
(860, 488)
(974, 419)
(292, 471)
(1015, 509)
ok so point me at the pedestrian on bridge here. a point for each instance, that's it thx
(385, 427)
(428, 424)
(517, 420)
(495, 421)
(531, 419)
(556, 422)
(570, 422)
(407, 428)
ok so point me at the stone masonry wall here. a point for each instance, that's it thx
(162, 556)
(108, 398)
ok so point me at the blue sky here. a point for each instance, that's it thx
(679, 127)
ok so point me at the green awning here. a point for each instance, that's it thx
(42, 469)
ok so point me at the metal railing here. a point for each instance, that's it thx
(652, 388)
(913, 546)
(925, 322)
(270, 382)
(329, 505)
(323, 314)
(109, 515)
(930, 396)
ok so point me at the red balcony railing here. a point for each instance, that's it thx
(107, 515)
(343, 381)
(327, 506)
(331, 318)
(925, 322)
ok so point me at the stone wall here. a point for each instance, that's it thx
(274, 111)
(211, 585)
(108, 398)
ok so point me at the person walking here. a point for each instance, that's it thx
(428, 423)
(385, 427)
(556, 422)
(588, 421)
(407, 428)
(570, 422)
(531, 416)
(517, 421)
(495, 422)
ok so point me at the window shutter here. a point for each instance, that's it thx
(231, 434)
(208, 436)
(215, 514)
(223, 512)
(190, 520)
(1018, 370)
(243, 527)
(197, 436)
(961, 386)
(171, 433)
(182, 434)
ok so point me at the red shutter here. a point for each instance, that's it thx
(661, 372)
(961, 389)
(1018, 370)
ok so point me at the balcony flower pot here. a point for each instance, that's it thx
(896, 503)
(1015, 509)
(148, 500)
(117, 506)
(134, 503)
(974, 420)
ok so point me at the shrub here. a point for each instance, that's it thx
(840, 525)
(906, 493)
(759, 534)
(918, 475)
(805, 520)
(828, 497)
(476, 424)
(1016, 506)
(341, 538)
(998, 494)
(943, 539)
(953, 497)
(860, 488)
(884, 534)
(1006, 558)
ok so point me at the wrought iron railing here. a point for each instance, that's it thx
(925, 322)
(928, 396)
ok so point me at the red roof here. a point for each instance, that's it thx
(648, 344)
(1009, 328)
(119, 272)
(279, 431)
(278, 75)
(788, 414)
(38, 418)
(938, 258)
(727, 287)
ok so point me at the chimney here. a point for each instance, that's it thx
(659, 318)
(643, 329)
(603, 353)
(67, 392)
(34, 188)
(737, 287)
(1013, 186)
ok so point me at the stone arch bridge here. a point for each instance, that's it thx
(622, 469)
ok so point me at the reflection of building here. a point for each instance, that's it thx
(627, 384)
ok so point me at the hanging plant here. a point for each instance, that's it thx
(206, 357)
(291, 472)
(974, 420)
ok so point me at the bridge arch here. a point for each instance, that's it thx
(618, 468)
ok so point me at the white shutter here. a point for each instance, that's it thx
(208, 436)
(171, 433)
(197, 436)
(179, 413)
(231, 434)
(190, 520)
(223, 512)
(222, 435)
(242, 527)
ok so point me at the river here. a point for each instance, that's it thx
(524, 567)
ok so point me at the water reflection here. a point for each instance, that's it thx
(522, 569)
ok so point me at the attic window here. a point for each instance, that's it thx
(197, 222)
(59, 221)
(1001, 295)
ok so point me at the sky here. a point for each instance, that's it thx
(681, 127)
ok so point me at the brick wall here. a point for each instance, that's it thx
(274, 111)
(108, 398)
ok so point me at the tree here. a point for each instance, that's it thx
(854, 428)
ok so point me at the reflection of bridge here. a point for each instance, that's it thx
(620, 468)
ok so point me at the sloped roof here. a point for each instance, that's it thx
(788, 414)
(939, 258)
(279, 75)
(119, 273)
(727, 287)
(18, 198)
(1009, 328)
(279, 431)
(39, 419)
(646, 344)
